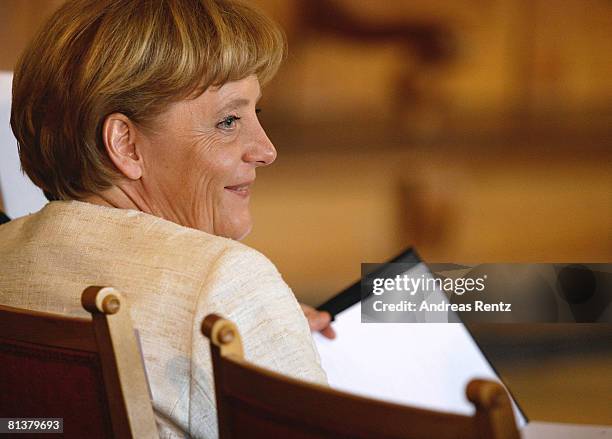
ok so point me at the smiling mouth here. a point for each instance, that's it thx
(242, 190)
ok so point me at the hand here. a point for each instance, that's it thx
(319, 321)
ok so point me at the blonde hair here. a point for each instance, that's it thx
(97, 57)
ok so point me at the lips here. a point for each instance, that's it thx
(243, 189)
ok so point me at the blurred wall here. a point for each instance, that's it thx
(477, 130)
(19, 20)
(498, 148)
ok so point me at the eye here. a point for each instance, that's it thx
(257, 110)
(229, 123)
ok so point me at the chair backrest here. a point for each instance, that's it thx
(257, 403)
(88, 372)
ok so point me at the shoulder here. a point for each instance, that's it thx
(141, 241)
(247, 262)
(241, 273)
(125, 228)
(18, 229)
(219, 257)
(246, 288)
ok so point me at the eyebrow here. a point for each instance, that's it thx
(238, 102)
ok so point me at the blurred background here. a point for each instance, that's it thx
(474, 130)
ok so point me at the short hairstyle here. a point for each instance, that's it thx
(97, 57)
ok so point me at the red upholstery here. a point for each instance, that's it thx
(54, 383)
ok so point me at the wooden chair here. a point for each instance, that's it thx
(88, 372)
(256, 403)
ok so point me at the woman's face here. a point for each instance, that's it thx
(201, 157)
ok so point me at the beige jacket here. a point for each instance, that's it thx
(172, 276)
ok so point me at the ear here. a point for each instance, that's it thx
(119, 134)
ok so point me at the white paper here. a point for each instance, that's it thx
(427, 365)
(549, 430)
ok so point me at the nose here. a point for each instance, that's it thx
(261, 151)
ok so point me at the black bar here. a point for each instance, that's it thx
(352, 295)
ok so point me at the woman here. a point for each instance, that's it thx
(140, 118)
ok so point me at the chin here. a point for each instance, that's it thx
(236, 230)
(243, 235)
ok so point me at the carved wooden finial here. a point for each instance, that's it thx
(226, 335)
(111, 304)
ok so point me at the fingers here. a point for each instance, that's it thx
(319, 321)
(329, 333)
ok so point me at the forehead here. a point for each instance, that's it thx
(235, 93)
(213, 103)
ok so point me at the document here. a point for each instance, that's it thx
(427, 365)
(550, 430)
(424, 364)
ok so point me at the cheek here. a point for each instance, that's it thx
(209, 172)
(212, 158)
(206, 178)
(171, 161)
(231, 212)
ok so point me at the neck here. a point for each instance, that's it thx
(119, 198)
(130, 196)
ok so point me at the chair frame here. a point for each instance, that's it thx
(319, 409)
(110, 336)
